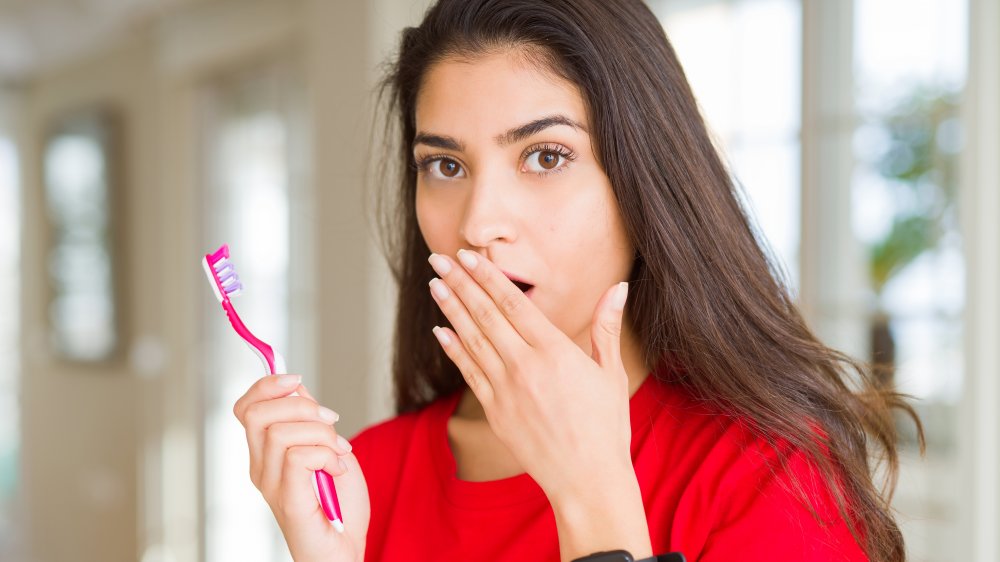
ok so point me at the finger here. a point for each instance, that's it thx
(479, 347)
(303, 391)
(352, 491)
(295, 488)
(267, 387)
(283, 436)
(484, 311)
(533, 326)
(477, 380)
(260, 416)
(606, 328)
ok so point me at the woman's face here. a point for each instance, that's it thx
(507, 170)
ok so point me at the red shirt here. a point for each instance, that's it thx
(711, 489)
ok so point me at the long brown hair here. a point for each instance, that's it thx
(704, 293)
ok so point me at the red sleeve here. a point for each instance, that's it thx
(766, 519)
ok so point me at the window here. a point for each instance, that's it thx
(909, 64)
(80, 200)
(742, 59)
(247, 205)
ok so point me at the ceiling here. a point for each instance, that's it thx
(35, 34)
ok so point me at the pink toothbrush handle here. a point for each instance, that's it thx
(325, 488)
(328, 496)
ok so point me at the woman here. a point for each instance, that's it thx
(622, 368)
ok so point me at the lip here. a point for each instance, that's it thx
(516, 279)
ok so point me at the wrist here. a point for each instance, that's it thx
(601, 483)
(603, 518)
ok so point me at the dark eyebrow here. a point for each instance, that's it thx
(510, 137)
(518, 134)
(438, 141)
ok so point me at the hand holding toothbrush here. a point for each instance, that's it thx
(283, 441)
(289, 438)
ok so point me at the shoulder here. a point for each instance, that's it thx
(383, 448)
(383, 438)
(744, 495)
(721, 445)
(776, 501)
(388, 439)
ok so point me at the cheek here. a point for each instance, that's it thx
(591, 236)
(437, 222)
(618, 251)
(588, 251)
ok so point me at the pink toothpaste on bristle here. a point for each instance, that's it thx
(225, 283)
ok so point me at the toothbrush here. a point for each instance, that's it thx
(225, 283)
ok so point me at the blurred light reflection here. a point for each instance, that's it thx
(82, 307)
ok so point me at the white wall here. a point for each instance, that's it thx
(80, 422)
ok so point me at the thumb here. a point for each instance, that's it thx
(606, 329)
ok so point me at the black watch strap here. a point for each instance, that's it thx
(607, 556)
(624, 556)
(668, 557)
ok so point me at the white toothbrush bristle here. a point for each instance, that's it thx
(211, 279)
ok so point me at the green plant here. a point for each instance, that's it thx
(920, 161)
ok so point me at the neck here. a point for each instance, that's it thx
(636, 369)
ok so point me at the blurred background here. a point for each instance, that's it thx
(137, 135)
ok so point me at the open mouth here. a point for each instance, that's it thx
(525, 287)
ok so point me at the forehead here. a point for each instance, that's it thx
(490, 93)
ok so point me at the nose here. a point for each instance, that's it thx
(488, 217)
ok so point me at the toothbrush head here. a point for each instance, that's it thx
(222, 274)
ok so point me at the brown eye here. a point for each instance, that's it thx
(449, 168)
(543, 161)
(442, 168)
(548, 159)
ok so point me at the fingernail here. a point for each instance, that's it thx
(621, 294)
(344, 444)
(468, 259)
(439, 289)
(441, 335)
(289, 380)
(440, 264)
(328, 415)
(343, 465)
